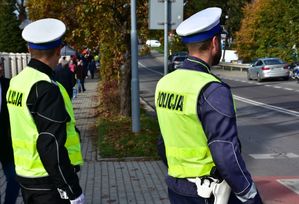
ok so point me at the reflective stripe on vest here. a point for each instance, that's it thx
(186, 145)
(23, 129)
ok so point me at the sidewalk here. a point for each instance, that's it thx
(110, 181)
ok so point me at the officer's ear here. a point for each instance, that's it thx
(215, 44)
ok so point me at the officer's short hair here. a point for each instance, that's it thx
(203, 45)
(42, 53)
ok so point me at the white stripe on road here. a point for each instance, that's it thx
(145, 67)
(289, 89)
(292, 184)
(274, 156)
(270, 107)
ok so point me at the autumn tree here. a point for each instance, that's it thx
(269, 28)
(104, 24)
(232, 16)
(192, 7)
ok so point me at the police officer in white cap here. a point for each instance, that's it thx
(46, 144)
(197, 119)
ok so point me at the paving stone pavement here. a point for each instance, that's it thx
(110, 181)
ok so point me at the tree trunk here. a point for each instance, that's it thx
(125, 83)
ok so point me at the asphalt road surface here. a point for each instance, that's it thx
(268, 125)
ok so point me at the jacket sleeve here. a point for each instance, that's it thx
(50, 117)
(216, 111)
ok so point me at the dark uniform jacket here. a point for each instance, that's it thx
(216, 112)
(46, 105)
(6, 153)
(66, 77)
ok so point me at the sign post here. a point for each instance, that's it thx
(165, 17)
(135, 78)
(165, 36)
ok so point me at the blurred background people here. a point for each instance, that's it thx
(80, 76)
(64, 76)
(72, 67)
(92, 68)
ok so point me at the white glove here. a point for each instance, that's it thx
(79, 200)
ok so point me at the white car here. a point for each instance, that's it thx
(153, 43)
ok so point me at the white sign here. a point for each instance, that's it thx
(156, 14)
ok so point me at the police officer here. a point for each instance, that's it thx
(46, 145)
(197, 119)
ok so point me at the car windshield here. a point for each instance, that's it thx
(273, 61)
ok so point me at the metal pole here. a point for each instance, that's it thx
(165, 36)
(135, 79)
(224, 48)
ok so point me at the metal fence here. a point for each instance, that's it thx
(233, 66)
(14, 63)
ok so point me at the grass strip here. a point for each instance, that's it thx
(116, 139)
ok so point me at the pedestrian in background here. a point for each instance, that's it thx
(197, 119)
(46, 144)
(6, 152)
(65, 76)
(63, 61)
(92, 68)
(72, 67)
(80, 76)
(86, 58)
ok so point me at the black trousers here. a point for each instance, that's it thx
(82, 84)
(42, 197)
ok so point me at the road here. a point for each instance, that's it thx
(268, 126)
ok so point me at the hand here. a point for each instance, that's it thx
(79, 200)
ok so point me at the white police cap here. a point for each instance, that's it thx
(200, 26)
(44, 34)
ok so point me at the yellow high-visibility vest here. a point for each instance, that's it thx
(24, 133)
(187, 151)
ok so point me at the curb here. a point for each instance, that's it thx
(148, 107)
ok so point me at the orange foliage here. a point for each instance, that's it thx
(269, 28)
(98, 24)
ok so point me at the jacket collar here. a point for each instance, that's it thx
(42, 67)
(194, 63)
